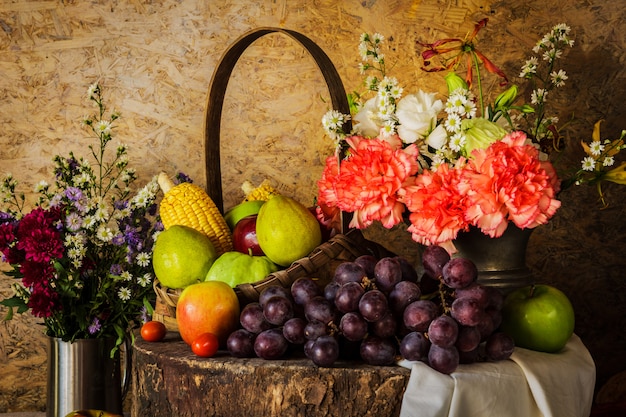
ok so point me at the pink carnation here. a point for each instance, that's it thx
(507, 181)
(326, 195)
(436, 205)
(369, 179)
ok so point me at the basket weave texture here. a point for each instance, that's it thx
(322, 261)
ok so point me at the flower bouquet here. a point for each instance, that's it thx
(445, 166)
(82, 256)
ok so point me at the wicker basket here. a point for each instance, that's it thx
(320, 264)
(322, 261)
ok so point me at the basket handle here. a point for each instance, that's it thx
(219, 82)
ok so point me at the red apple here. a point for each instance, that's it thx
(538, 317)
(207, 307)
(244, 237)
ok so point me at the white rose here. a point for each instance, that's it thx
(437, 138)
(366, 119)
(417, 115)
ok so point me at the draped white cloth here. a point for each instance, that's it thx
(529, 384)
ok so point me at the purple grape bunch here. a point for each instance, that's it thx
(377, 310)
(465, 328)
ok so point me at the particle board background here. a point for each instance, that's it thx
(155, 60)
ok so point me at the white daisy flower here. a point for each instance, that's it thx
(103, 127)
(588, 164)
(453, 123)
(124, 294)
(596, 148)
(457, 142)
(104, 233)
(558, 78)
(144, 280)
(143, 259)
(608, 161)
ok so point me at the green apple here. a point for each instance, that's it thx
(538, 317)
(182, 256)
(235, 268)
(238, 212)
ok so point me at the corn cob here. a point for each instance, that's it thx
(262, 192)
(189, 205)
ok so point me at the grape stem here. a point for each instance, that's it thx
(333, 329)
(368, 284)
(442, 297)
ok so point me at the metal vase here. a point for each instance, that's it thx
(501, 262)
(82, 375)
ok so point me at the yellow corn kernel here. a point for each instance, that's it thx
(189, 205)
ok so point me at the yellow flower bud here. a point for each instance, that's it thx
(617, 175)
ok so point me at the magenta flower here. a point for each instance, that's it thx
(36, 273)
(43, 302)
(38, 236)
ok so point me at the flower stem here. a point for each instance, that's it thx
(479, 82)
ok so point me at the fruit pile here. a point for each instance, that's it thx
(200, 249)
(374, 309)
(264, 233)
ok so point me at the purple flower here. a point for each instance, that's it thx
(120, 204)
(118, 240)
(145, 317)
(73, 193)
(73, 222)
(72, 163)
(116, 269)
(6, 217)
(95, 326)
(132, 237)
(182, 177)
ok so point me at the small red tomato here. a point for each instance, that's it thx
(153, 331)
(205, 345)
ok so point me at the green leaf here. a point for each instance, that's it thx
(12, 302)
(9, 315)
(148, 306)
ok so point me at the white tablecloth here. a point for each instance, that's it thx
(529, 384)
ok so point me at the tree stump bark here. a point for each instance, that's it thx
(169, 380)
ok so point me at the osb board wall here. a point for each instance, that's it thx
(155, 60)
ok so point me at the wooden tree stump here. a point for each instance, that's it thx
(169, 380)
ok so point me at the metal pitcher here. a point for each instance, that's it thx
(83, 375)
